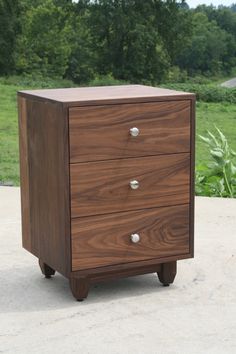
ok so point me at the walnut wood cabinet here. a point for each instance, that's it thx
(107, 181)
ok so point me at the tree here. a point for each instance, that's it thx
(44, 44)
(223, 16)
(208, 48)
(9, 24)
(174, 24)
(133, 40)
(126, 42)
(81, 62)
(233, 7)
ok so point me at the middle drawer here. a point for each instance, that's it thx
(129, 184)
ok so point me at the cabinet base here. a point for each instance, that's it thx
(46, 269)
(167, 273)
(80, 282)
(79, 287)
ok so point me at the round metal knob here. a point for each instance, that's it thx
(134, 184)
(135, 238)
(134, 131)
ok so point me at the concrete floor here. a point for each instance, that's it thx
(197, 314)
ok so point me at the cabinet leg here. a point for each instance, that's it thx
(79, 288)
(167, 273)
(46, 270)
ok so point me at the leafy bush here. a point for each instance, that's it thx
(44, 44)
(176, 75)
(106, 80)
(36, 81)
(217, 179)
(206, 92)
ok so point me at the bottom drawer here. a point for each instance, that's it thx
(106, 239)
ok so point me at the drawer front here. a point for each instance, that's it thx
(103, 132)
(104, 187)
(106, 239)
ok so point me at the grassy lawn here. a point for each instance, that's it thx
(221, 114)
(9, 149)
(9, 165)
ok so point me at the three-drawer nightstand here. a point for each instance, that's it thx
(107, 181)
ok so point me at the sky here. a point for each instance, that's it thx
(194, 3)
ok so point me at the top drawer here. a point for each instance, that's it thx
(103, 132)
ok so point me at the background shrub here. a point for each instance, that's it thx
(206, 92)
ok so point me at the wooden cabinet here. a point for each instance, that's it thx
(107, 181)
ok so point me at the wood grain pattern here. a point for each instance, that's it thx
(127, 269)
(105, 240)
(192, 177)
(47, 161)
(103, 187)
(102, 132)
(81, 96)
(24, 174)
(104, 210)
(79, 287)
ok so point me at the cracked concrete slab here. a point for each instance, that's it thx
(197, 314)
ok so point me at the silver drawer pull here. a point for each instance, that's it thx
(135, 238)
(134, 131)
(134, 184)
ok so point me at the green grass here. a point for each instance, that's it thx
(9, 149)
(9, 165)
(221, 114)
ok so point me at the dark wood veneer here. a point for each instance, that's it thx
(103, 187)
(76, 161)
(163, 232)
(167, 273)
(24, 174)
(44, 163)
(90, 96)
(102, 132)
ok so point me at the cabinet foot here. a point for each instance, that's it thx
(46, 270)
(79, 288)
(167, 273)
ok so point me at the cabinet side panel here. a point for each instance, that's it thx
(24, 174)
(48, 172)
(192, 177)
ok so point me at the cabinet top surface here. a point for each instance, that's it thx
(103, 94)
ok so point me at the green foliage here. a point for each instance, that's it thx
(223, 115)
(106, 80)
(137, 41)
(206, 92)
(174, 23)
(218, 178)
(9, 155)
(43, 46)
(35, 81)
(127, 41)
(82, 59)
(209, 47)
(9, 165)
(176, 75)
(9, 26)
